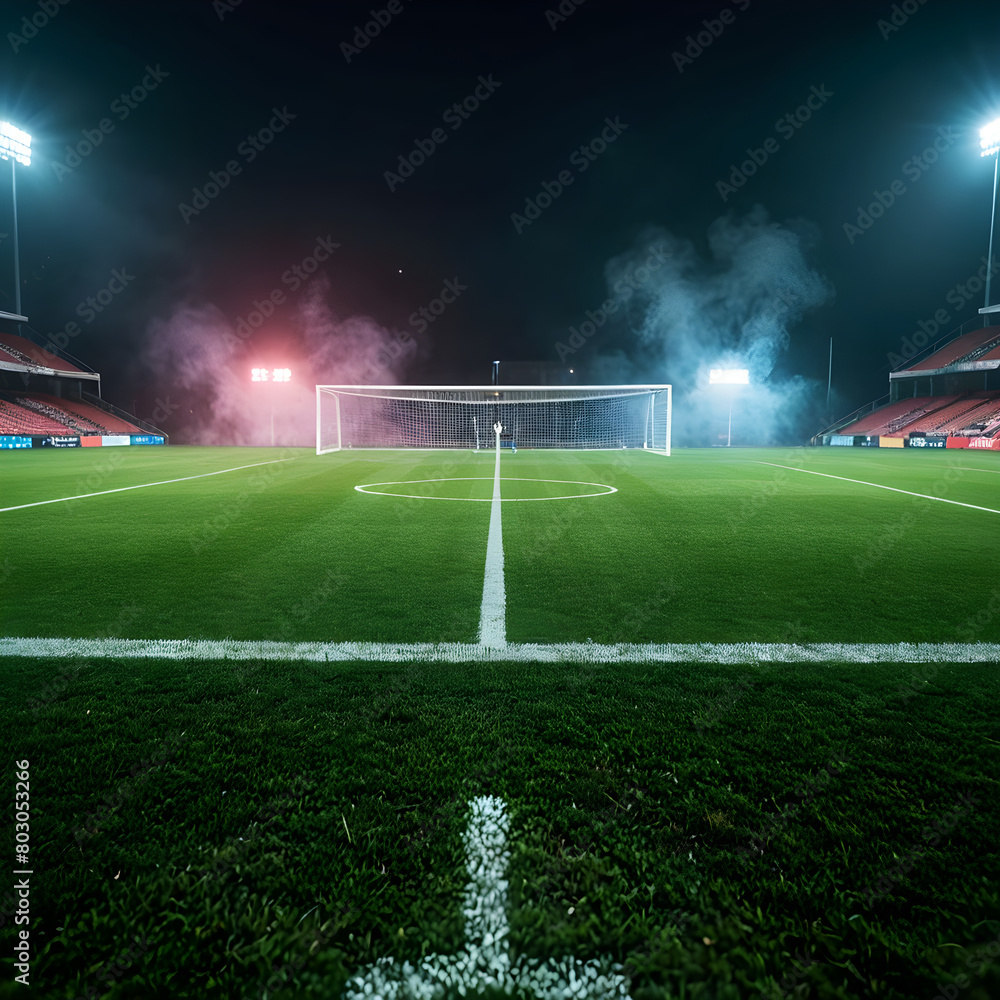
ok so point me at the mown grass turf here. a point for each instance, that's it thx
(706, 827)
(706, 546)
(717, 830)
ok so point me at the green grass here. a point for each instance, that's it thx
(702, 547)
(706, 825)
(635, 796)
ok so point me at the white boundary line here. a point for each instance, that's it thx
(862, 482)
(493, 612)
(142, 486)
(972, 468)
(364, 488)
(485, 960)
(457, 652)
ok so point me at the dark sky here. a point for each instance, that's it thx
(889, 90)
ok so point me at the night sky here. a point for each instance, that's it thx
(646, 110)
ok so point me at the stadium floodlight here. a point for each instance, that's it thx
(989, 140)
(15, 146)
(456, 416)
(271, 375)
(729, 376)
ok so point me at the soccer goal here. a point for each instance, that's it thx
(592, 416)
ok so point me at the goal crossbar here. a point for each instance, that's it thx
(532, 416)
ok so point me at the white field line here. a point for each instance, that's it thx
(142, 486)
(485, 961)
(862, 482)
(367, 488)
(457, 652)
(493, 612)
(972, 468)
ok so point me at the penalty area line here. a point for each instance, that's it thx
(879, 486)
(456, 652)
(142, 486)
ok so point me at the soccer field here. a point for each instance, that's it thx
(735, 732)
(719, 546)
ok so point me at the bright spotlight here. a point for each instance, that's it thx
(15, 144)
(989, 138)
(282, 375)
(729, 376)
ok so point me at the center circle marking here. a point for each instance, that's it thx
(369, 488)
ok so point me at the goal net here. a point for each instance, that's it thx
(603, 416)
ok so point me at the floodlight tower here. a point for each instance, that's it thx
(729, 376)
(273, 376)
(15, 146)
(989, 141)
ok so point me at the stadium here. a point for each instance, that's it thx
(369, 668)
(948, 396)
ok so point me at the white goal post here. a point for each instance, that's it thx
(533, 416)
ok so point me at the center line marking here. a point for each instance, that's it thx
(493, 613)
(879, 486)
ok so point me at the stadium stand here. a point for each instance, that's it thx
(960, 350)
(104, 423)
(25, 352)
(55, 400)
(890, 419)
(71, 416)
(984, 422)
(950, 398)
(946, 419)
(16, 419)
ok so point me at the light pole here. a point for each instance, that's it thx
(15, 146)
(729, 376)
(989, 141)
(271, 375)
